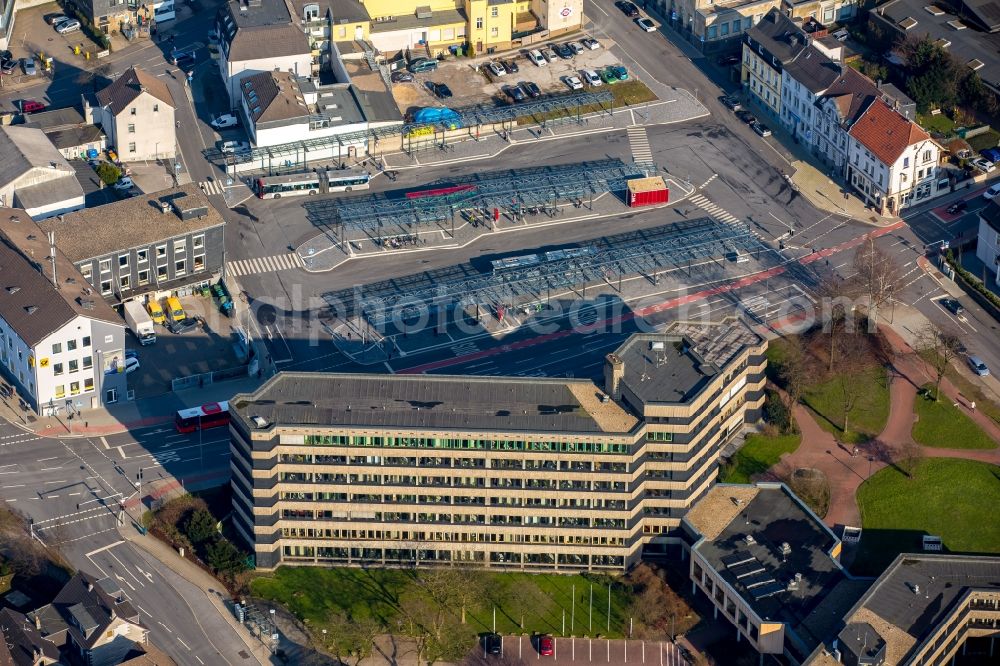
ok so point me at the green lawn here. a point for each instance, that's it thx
(951, 498)
(311, 593)
(939, 123)
(941, 424)
(870, 411)
(757, 455)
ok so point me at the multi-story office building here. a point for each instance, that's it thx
(493, 471)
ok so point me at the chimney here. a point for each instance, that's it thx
(52, 255)
(614, 372)
(90, 586)
(38, 622)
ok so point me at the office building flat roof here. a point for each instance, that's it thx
(434, 402)
(773, 551)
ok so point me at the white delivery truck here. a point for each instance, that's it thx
(140, 323)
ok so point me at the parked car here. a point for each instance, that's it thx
(8, 66)
(629, 9)
(71, 25)
(591, 43)
(184, 59)
(231, 147)
(124, 183)
(563, 51)
(957, 207)
(492, 644)
(496, 69)
(731, 102)
(952, 306)
(131, 365)
(28, 65)
(31, 106)
(575, 47)
(422, 65)
(619, 72)
(992, 154)
(535, 56)
(761, 129)
(131, 353)
(992, 192)
(746, 116)
(225, 121)
(728, 60)
(185, 325)
(546, 646)
(978, 366)
(53, 19)
(983, 164)
(401, 76)
(510, 66)
(591, 78)
(439, 90)
(515, 93)
(573, 82)
(531, 88)
(646, 24)
(549, 55)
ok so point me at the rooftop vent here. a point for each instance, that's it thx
(259, 421)
(785, 548)
(31, 309)
(87, 304)
(192, 213)
(934, 11)
(749, 540)
(13, 290)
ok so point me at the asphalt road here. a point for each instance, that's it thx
(70, 489)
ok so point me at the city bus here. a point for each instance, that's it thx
(312, 182)
(211, 415)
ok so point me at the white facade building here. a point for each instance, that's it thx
(61, 346)
(136, 113)
(988, 246)
(35, 176)
(892, 161)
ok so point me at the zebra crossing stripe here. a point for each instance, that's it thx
(272, 264)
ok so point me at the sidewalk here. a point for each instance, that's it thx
(200, 579)
(127, 416)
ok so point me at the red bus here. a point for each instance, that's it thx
(440, 191)
(211, 415)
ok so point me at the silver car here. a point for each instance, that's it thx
(29, 66)
(978, 366)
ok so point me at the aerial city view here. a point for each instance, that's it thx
(499, 332)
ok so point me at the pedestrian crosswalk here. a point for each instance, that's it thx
(638, 141)
(717, 212)
(279, 262)
(212, 187)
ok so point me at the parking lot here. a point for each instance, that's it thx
(471, 82)
(206, 349)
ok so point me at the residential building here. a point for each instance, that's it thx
(68, 131)
(149, 246)
(91, 621)
(838, 108)
(988, 245)
(260, 36)
(61, 346)
(770, 566)
(502, 472)
(23, 644)
(136, 112)
(827, 12)
(968, 29)
(892, 161)
(106, 15)
(7, 16)
(34, 175)
(768, 46)
(804, 80)
(924, 609)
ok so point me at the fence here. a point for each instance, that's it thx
(204, 379)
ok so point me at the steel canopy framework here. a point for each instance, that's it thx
(514, 191)
(539, 109)
(646, 253)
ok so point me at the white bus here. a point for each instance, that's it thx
(311, 182)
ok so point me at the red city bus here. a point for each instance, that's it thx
(211, 415)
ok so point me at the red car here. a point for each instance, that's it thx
(31, 106)
(546, 646)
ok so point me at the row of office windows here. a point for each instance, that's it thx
(475, 444)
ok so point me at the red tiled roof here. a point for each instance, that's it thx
(886, 133)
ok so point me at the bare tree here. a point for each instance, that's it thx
(940, 348)
(792, 374)
(908, 457)
(455, 587)
(879, 276)
(853, 350)
(837, 303)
